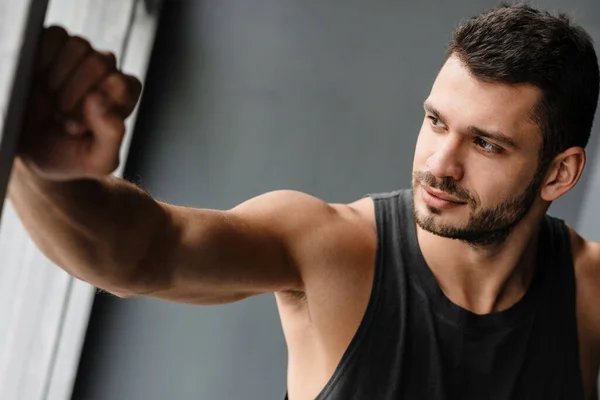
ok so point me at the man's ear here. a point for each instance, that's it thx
(564, 173)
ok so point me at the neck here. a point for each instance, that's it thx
(484, 279)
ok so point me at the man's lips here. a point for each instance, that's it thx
(442, 195)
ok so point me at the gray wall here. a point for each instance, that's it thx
(245, 97)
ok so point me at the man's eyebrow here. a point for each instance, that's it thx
(496, 135)
(432, 110)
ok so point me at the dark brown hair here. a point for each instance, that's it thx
(519, 44)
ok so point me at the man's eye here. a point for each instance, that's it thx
(436, 123)
(487, 146)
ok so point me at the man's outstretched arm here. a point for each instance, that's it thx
(113, 235)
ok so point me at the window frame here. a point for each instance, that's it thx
(44, 311)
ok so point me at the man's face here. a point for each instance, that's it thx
(476, 157)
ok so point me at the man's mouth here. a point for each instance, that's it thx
(438, 199)
(442, 195)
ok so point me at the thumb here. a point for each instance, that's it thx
(108, 129)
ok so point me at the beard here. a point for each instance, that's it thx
(486, 227)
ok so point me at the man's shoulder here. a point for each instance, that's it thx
(586, 254)
(365, 206)
(586, 260)
(389, 194)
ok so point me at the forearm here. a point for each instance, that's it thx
(96, 230)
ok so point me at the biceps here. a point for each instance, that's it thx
(219, 256)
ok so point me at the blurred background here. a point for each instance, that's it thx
(244, 97)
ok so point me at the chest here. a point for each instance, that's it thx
(411, 352)
(449, 353)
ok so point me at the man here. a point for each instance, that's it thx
(462, 287)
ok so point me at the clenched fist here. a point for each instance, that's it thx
(76, 111)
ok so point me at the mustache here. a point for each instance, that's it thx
(446, 185)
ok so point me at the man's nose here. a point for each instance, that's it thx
(446, 161)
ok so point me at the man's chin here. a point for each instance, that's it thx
(443, 225)
(431, 225)
(443, 233)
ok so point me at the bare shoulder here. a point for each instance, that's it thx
(319, 236)
(365, 208)
(298, 206)
(586, 259)
(340, 246)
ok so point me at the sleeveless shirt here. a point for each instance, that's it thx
(414, 343)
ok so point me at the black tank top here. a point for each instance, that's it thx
(414, 343)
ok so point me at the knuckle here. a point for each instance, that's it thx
(110, 58)
(136, 85)
(96, 65)
(51, 42)
(116, 86)
(115, 130)
(55, 32)
(79, 44)
(55, 29)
